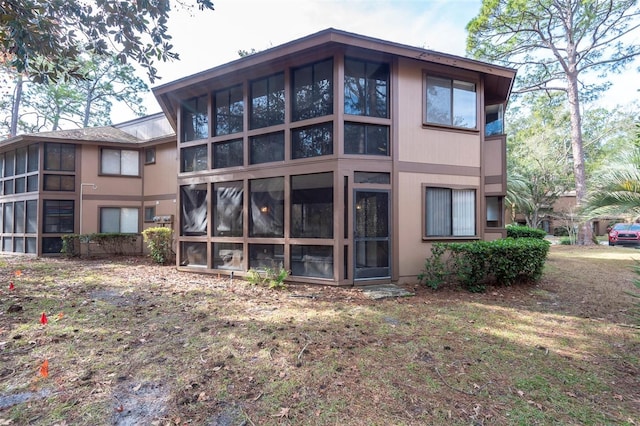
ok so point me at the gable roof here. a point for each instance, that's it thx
(498, 79)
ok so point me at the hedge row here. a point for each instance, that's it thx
(518, 231)
(110, 243)
(476, 264)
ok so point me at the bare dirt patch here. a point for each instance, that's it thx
(129, 342)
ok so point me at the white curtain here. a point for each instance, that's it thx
(464, 212)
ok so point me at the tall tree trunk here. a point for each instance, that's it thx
(585, 233)
(15, 107)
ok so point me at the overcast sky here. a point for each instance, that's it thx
(205, 39)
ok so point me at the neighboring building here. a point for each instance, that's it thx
(105, 179)
(336, 156)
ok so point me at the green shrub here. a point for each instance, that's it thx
(159, 241)
(272, 278)
(71, 245)
(474, 265)
(566, 241)
(519, 231)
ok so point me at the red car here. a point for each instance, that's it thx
(624, 233)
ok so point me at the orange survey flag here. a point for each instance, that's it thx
(44, 369)
(18, 273)
(43, 319)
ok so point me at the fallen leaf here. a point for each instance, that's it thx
(520, 393)
(44, 369)
(5, 422)
(284, 412)
(137, 388)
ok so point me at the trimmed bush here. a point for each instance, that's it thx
(474, 265)
(518, 231)
(159, 241)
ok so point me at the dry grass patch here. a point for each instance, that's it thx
(129, 342)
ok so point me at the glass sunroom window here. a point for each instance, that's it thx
(267, 101)
(366, 139)
(266, 148)
(312, 141)
(228, 154)
(312, 206)
(195, 119)
(450, 212)
(229, 197)
(194, 158)
(313, 90)
(60, 157)
(312, 261)
(267, 207)
(229, 111)
(450, 102)
(193, 209)
(366, 88)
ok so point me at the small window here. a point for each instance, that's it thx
(121, 162)
(193, 254)
(266, 256)
(33, 160)
(195, 119)
(450, 212)
(494, 120)
(312, 141)
(450, 102)
(32, 183)
(228, 256)
(59, 182)
(21, 160)
(150, 155)
(9, 163)
(312, 261)
(494, 212)
(149, 213)
(372, 177)
(267, 101)
(266, 148)
(228, 154)
(366, 139)
(122, 220)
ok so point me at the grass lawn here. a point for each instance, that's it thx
(131, 343)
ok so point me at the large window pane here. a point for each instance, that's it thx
(366, 139)
(58, 182)
(451, 102)
(266, 148)
(21, 160)
(228, 209)
(229, 111)
(193, 159)
(58, 216)
(193, 254)
(228, 154)
(263, 256)
(450, 212)
(193, 209)
(312, 141)
(21, 185)
(33, 160)
(312, 261)
(111, 161)
(267, 207)
(313, 90)
(9, 163)
(130, 162)
(19, 215)
(32, 217)
(312, 206)
(32, 183)
(366, 88)
(228, 256)
(267, 101)
(110, 220)
(7, 217)
(59, 157)
(439, 101)
(195, 119)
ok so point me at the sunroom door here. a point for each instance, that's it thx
(372, 243)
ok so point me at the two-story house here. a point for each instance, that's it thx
(105, 179)
(338, 157)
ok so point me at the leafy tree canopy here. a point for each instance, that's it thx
(44, 38)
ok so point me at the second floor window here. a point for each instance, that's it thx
(120, 162)
(313, 90)
(451, 102)
(59, 157)
(229, 111)
(195, 119)
(366, 88)
(267, 101)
